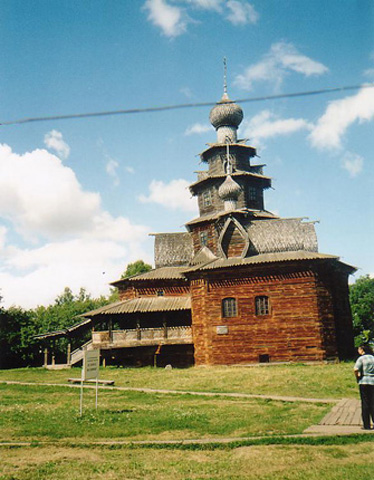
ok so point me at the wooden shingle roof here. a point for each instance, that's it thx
(281, 235)
(266, 258)
(173, 249)
(143, 305)
(244, 211)
(163, 273)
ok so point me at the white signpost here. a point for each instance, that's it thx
(90, 371)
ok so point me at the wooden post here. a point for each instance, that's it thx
(110, 328)
(157, 352)
(165, 328)
(53, 360)
(69, 354)
(138, 331)
(45, 357)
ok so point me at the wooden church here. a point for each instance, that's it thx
(240, 286)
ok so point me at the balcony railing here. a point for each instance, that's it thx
(137, 337)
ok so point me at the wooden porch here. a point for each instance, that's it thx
(141, 337)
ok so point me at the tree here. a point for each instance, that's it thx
(17, 345)
(18, 327)
(63, 313)
(136, 268)
(361, 295)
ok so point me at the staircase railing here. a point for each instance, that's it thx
(77, 354)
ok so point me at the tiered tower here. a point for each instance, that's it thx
(231, 192)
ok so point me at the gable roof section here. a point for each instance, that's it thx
(172, 249)
(281, 235)
(203, 256)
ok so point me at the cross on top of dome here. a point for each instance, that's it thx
(226, 115)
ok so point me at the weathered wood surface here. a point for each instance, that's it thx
(151, 291)
(299, 327)
(346, 412)
(99, 381)
(142, 337)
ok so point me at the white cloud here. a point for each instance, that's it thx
(282, 59)
(34, 277)
(339, 116)
(174, 195)
(41, 196)
(54, 141)
(215, 5)
(266, 125)
(171, 19)
(198, 128)
(130, 170)
(3, 232)
(42, 199)
(241, 13)
(111, 170)
(353, 163)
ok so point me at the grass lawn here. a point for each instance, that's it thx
(317, 381)
(281, 462)
(42, 413)
(49, 413)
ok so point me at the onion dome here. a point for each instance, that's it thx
(225, 117)
(226, 113)
(229, 190)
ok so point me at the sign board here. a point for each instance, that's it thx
(90, 371)
(222, 330)
(91, 363)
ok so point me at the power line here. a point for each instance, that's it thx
(183, 105)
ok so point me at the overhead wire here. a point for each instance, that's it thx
(183, 105)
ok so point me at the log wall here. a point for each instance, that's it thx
(299, 327)
(152, 291)
(212, 237)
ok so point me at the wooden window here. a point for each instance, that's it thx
(207, 198)
(252, 194)
(203, 238)
(262, 305)
(229, 307)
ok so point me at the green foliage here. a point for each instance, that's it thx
(361, 296)
(18, 327)
(136, 268)
(16, 337)
(64, 310)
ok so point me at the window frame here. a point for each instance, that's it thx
(207, 199)
(262, 306)
(252, 194)
(229, 307)
(203, 238)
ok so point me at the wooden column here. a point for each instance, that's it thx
(110, 328)
(45, 357)
(164, 323)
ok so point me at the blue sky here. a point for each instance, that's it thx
(79, 197)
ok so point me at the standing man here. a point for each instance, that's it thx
(364, 372)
